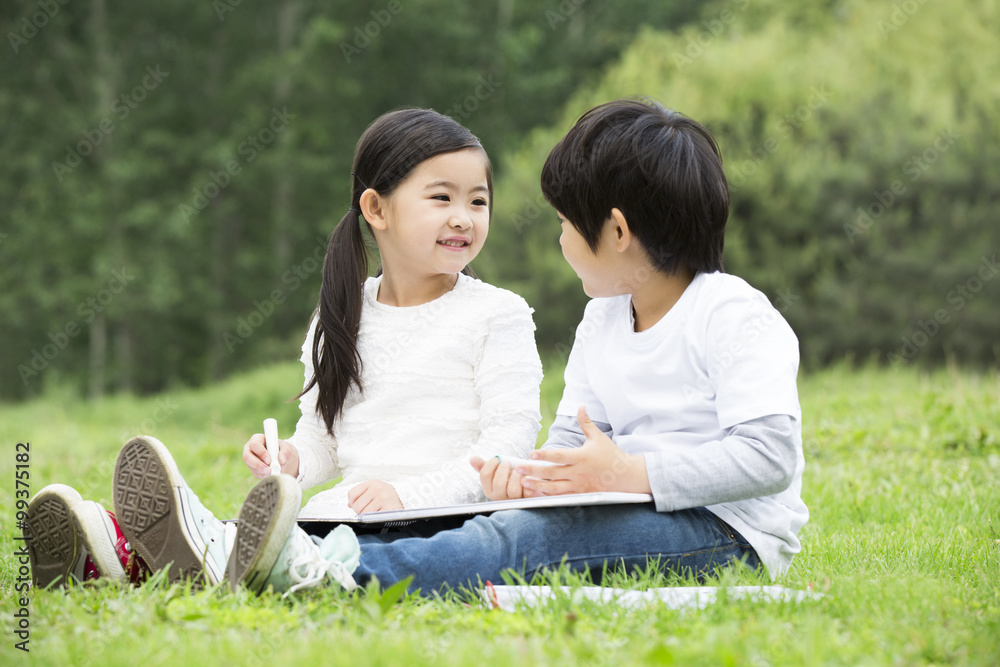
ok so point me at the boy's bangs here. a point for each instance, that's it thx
(567, 186)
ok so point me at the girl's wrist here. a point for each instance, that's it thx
(292, 464)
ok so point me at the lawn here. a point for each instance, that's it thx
(901, 479)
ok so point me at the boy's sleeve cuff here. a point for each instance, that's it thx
(659, 483)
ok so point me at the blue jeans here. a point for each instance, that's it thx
(526, 541)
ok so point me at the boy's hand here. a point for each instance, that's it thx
(498, 479)
(259, 461)
(598, 465)
(373, 496)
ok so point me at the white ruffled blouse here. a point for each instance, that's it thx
(443, 381)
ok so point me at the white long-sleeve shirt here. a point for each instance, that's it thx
(708, 396)
(443, 381)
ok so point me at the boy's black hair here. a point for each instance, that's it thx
(661, 169)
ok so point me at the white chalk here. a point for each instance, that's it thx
(271, 438)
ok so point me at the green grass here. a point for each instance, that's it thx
(904, 539)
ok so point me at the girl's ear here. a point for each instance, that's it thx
(373, 208)
(623, 235)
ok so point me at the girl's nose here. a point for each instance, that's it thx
(460, 221)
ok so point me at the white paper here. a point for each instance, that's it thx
(510, 598)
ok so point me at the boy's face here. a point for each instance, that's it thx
(597, 271)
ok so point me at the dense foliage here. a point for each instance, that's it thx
(170, 172)
(863, 153)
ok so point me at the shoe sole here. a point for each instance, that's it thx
(154, 515)
(95, 528)
(53, 547)
(266, 520)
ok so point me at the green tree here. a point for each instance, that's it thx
(202, 151)
(860, 144)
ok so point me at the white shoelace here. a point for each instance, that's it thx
(315, 568)
(229, 538)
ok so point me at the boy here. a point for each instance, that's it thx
(681, 383)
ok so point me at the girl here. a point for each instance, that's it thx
(408, 374)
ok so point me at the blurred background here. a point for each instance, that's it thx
(170, 172)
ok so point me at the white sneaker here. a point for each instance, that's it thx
(69, 538)
(163, 519)
(272, 551)
(55, 551)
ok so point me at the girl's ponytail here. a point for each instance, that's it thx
(335, 358)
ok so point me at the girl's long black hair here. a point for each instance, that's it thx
(388, 151)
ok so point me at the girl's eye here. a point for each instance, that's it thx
(441, 197)
(479, 202)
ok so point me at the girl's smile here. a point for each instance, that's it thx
(455, 243)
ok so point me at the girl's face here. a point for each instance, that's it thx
(437, 219)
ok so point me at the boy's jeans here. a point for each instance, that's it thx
(691, 540)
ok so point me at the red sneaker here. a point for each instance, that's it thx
(71, 538)
(109, 551)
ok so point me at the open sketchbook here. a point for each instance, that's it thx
(399, 517)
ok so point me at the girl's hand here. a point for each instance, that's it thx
(499, 480)
(373, 496)
(257, 459)
(597, 465)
